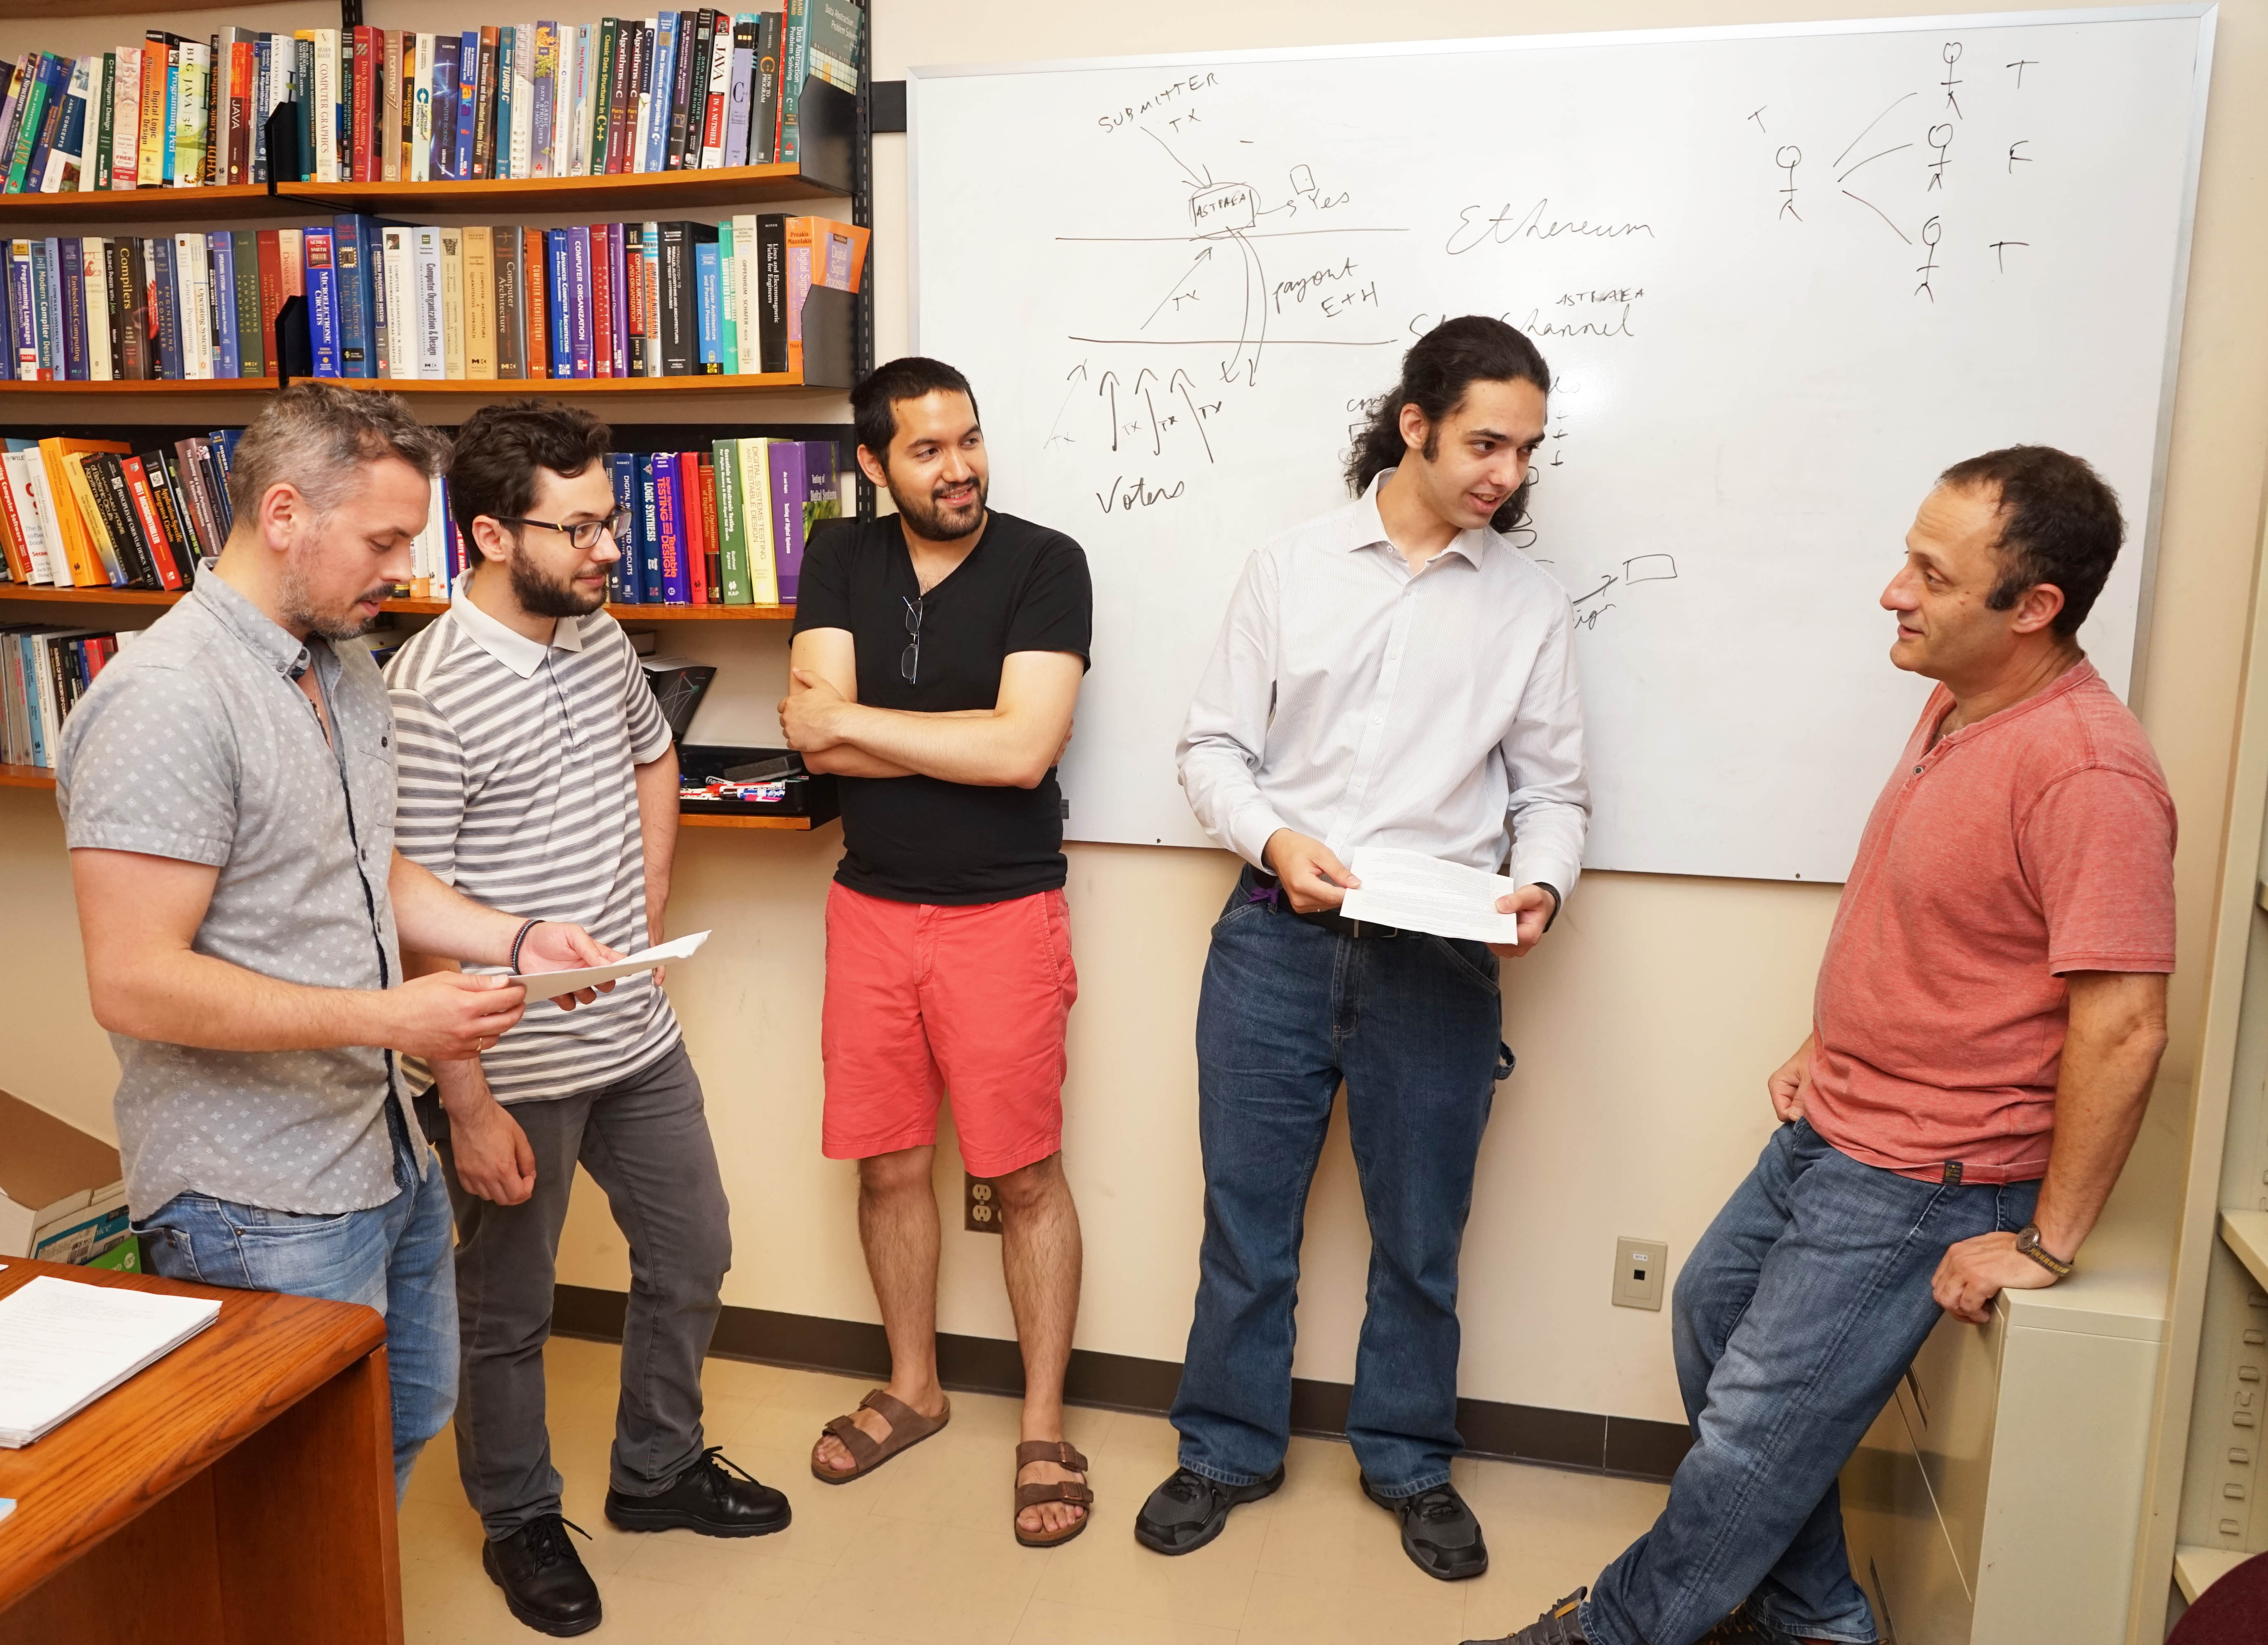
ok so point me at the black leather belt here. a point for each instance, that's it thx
(1265, 888)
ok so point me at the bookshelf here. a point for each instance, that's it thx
(405, 606)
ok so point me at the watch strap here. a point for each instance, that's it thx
(2028, 1241)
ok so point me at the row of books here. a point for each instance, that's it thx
(679, 91)
(602, 300)
(724, 526)
(79, 513)
(44, 671)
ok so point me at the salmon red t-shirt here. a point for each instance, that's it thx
(2035, 842)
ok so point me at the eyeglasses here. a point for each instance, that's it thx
(584, 534)
(910, 663)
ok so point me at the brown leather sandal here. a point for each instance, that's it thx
(1075, 1491)
(908, 1428)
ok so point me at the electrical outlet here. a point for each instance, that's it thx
(980, 1206)
(1641, 1266)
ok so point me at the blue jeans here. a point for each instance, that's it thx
(1798, 1312)
(393, 1256)
(1411, 1023)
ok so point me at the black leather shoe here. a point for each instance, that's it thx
(543, 1577)
(1562, 1625)
(1439, 1532)
(1188, 1511)
(705, 1498)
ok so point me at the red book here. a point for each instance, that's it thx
(368, 45)
(271, 293)
(602, 299)
(716, 567)
(244, 69)
(696, 535)
(153, 529)
(535, 307)
(11, 537)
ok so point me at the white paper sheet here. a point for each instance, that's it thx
(546, 985)
(64, 1344)
(1416, 892)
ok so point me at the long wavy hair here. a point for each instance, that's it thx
(1435, 373)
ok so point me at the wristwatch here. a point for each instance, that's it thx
(2028, 1241)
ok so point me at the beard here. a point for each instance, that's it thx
(300, 610)
(541, 595)
(936, 522)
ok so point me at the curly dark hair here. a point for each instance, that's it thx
(1435, 373)
(492, 467)
(2059, 524)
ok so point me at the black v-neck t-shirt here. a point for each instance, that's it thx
(1022, 588)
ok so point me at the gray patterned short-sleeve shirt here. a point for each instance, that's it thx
(196, 742)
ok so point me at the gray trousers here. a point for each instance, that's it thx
(645, 1142)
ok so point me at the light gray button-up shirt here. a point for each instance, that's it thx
(196, 742)
(1356, 702)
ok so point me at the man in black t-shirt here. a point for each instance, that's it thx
(936, 658)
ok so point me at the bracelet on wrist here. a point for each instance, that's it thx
(521, 937)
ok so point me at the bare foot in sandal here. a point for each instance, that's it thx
(832, 1456)
(1060, 1485)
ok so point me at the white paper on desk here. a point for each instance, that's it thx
(65, 1343)
(1412, 891)
(549, 985)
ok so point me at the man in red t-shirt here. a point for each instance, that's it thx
(1990, 1014)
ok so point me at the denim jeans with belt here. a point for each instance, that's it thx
(1795, 1316)
(1411, 1024)
(393, 1256)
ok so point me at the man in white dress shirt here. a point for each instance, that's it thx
(1394, 674)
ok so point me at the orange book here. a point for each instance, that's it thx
(86, 567)
(535, 307)
(819, 252)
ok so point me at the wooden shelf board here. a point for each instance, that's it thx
(26, 777)
(798, 825)
(754, 382)
(148, 205)
(2199, 1568)
(2246, 1233)
(408, 607)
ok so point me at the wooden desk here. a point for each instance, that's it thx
(238, 1490)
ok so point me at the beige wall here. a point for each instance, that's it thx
(1645, 1027)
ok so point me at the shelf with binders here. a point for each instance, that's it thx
(823, 169)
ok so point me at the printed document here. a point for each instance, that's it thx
(64, 1344)
(1412, 891)
(549, 985)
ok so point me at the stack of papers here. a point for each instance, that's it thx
(1412, 891)
(549, 985)
(64, 1345)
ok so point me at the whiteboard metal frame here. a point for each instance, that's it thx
(2206, 12)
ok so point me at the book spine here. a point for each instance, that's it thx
(480, 304)
(23, 310)
(712, 591)
(350, 282)
(757, 519)
(544, 89)
(679, 304)
(708, 298)
(27, 130)
(221, 246)
(320, 121)
(152, 529)
(731, 534)
(740, 91)
(252, 343)
(605, 97)
(484, 105)
(468, 86)
(631, 287)
(95, 170)
(269, 266)
(534, 263)
(511, 329)
(559, 289)
(622, 576)
(764, 128)
(795, 64)
(788, 480)
(720, 91)
(423, 68)
(602, 300)
(430, 361)
(72, 281)
(579, 300)
(323, 303)
(523, 100)
(452, 302)
(685, 69)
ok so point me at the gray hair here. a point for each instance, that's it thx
(316, 434)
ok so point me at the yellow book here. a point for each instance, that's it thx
(67, 490)
(150, 156)
(452, 303)
(480, 304)
(756, 518)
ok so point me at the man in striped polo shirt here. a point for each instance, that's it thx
(535, 758)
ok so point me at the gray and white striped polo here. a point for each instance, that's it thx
(516, 787)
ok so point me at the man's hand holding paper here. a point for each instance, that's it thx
(1412, 891)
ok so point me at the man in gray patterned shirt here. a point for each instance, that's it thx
(227, 792)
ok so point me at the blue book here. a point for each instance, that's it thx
(667, 29)
(444, 91)
(578, 297)
(354, 258)
(44, 292)
(173, 99)
(167, 302)
(228, 354)
(23, 317)
(649, 535)
(468, 70)
(71, 287)
(322, 302)
(623, 577)
(70, 133)
(507, 53)
(303, 98)
(559, 282)
(24, 660)
(708, 289)
(56, 73)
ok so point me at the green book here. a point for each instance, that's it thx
(94, 162)
(599, 97)
(27, 134)
(252, 355)
(732, 530)
(728, 312)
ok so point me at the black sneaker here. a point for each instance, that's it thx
(1439, 1532)
(707, 1499)
(1559, 1625)
(543, 1577)
(1188, 1511)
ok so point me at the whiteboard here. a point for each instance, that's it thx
(1783, 275)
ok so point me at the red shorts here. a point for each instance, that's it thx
(922, 998)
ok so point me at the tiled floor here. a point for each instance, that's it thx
(922, 1553)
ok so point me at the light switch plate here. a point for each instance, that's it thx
(1641, 1270)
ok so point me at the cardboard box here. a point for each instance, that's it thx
(62, 1197)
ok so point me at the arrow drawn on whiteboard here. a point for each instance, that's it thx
(1202, 182)
(1076, 375)
(1250, 367)
(1109, 386)
(1174, 291)
(1157, 435)
(1180, 382)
